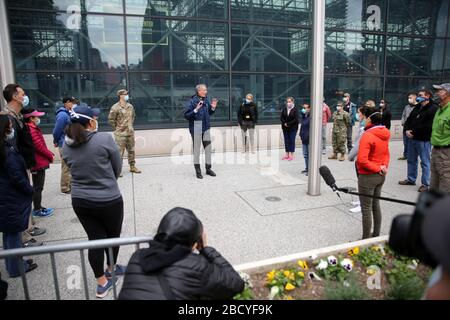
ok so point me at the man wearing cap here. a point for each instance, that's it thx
(62, 121)
(350, 107)
(121, 117)
(440, 139)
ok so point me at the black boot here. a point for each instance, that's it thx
(209, 172)
(198, 171)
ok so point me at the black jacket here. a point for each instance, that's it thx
(191, 277)
(420, 121)
(386, 118)
(248, 112)
(15, 192)
(291, 120)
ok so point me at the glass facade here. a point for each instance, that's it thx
(160, 50)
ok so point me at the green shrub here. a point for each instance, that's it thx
(371, 257)
(347, 290)
(246, 294)
(406, 289)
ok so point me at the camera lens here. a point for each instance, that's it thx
(399, 236)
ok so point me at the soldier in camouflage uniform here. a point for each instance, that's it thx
(121, 117)
(341, 121)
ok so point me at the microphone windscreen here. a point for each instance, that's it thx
(327, 176)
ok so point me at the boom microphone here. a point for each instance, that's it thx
(328, 177)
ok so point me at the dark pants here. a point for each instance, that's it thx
(350, 138)
(370, 184)
(101, 223)
(38, 187)
(198, 140)
(289, 140)
(13, 240)
(406, 142)
(305, 148)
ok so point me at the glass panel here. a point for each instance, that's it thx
(46, 91)
(414, 56)
(418, 17)
(270, 92)
(447, 60)
(70, 6)
(175, 45)
(186, 8)
(354, 53)
(42, 41)
(355, 14)
(397, 90)
(275, 11)
(160, 98)
(263, 48)
(361, 89)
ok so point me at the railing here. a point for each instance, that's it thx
(67, 247)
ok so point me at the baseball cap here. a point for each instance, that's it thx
(444, 86)
(83, 114)
(435, 231)
(121, 92)
(28, 113)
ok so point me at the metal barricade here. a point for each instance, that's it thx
(51, 250)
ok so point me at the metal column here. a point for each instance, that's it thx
(6, 62)
(317, 83)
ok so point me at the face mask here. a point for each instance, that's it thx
(38, 121)
(357, 117)
(411, 100)
(382, 105)
(290, 105)
(10, 136)
(345, 99)
(247, 101)
(363, 123)
(74, 106)
(338, 108)
(25, 101)
(304, 111)
(127, 97)
(420, 99)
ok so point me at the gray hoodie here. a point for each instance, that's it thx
(95, 167)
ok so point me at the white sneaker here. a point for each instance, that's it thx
(356, 203)
(355, 209)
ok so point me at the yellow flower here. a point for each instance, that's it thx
(301, 274)
(291, 276)
(286, 273)
(353, 252)
(303, 264)
(288, 298)
(371, 271)
(271, 275)
(289, 287)
(376, 248)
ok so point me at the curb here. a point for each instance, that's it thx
(272, 263)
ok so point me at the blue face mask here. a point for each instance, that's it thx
(25, 101)
(363, 123)
(357, 117)
(421, 99)
(304, 111)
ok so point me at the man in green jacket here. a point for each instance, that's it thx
(440, 139)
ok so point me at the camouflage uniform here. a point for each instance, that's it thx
(341, 121)
(122, 120)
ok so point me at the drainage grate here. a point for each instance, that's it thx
(273, 199)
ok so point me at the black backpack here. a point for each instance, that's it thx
(25, 144)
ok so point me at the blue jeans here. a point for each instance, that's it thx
(289, 140)
(13, 240)
(422, 150)
(305, 148)
(406, 142)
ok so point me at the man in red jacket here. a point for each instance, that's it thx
(43, 158)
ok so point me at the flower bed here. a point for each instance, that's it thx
(360, 272)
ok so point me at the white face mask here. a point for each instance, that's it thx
(10, 136)
(38, 121)
(127, 97)
(345, 99)
(411, 100)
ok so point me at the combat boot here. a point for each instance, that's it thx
(342, 157)
(134, 169)
(333, 156)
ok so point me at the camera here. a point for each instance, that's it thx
(406, 235)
